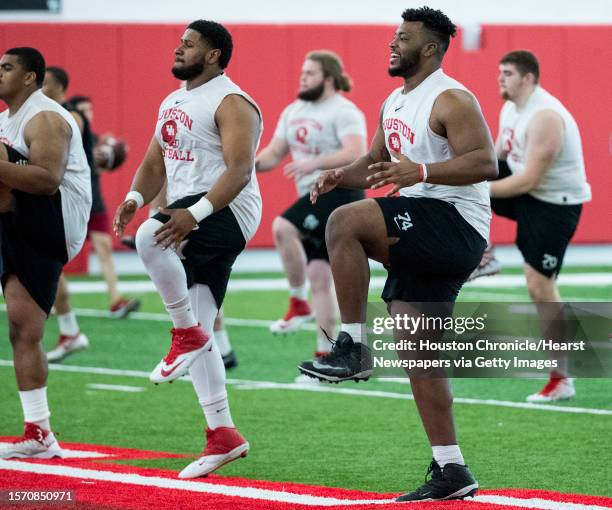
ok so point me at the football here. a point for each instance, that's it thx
(110, 152)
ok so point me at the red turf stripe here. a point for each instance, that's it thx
(295, 488)
(133, 497)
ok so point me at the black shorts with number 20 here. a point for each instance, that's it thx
(543, 230)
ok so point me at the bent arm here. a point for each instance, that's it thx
(239, 127)
(47, 135)
(353, 147)
(355, 174)
(272, 155)
(544, 142)
(151, 174)
(457, 115)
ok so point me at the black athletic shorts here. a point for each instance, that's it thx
(311, 219)
(212, 248)
(33, 242)
(543, 230)
(436, 252)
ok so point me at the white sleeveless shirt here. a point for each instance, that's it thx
(191, 144)
(564, 183)
(405, 122)
(75, 188)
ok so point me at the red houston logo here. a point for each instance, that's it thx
(394, 142)
(301, 133)
(168, 132)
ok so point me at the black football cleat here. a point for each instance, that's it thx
(454, 481)
(346, 361)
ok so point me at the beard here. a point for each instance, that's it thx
(505, 96)
(188, 72)
(312, 94)
(408, 65)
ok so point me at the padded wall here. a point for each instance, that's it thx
(126, 70)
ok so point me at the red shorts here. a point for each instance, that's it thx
(98, 222)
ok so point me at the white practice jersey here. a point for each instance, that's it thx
(564, 183)
(315, 128)
(405, 122)
(75, 188)
(191, 143)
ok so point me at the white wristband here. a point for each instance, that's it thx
(201, 209)
(136, 197)
(424, 172)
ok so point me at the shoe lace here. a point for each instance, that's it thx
(31, 432)
(432, 482)
(329, 338)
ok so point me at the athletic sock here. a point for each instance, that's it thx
(222, 341)
(208, 371)
(300, 292)
(448, 454)
(181, 313)
(68, 324)
(323, 344)
(35, 407)
(217, 413)
(357, 331)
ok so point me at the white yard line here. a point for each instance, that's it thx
(376, 283)
(267, 385)
(278, 496)
(117, 387)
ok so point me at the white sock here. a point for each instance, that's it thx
(35, 407)
(208, 372)
(167, 273)
(68, 324)
(222, 341)
(300, 292)
(357, 331)
(448, 454)
(181, 313)
(323, 344)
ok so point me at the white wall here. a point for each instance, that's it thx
(326, 11)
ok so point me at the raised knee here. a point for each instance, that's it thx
(338, 224)
(145, 236)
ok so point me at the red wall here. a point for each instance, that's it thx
(126, 70)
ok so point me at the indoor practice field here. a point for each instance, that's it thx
(359, 437)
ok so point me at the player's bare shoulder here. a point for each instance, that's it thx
(47, 124)
(449, 106)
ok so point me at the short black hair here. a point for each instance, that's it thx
(31, 60)
(524, 61)
(60, 75)
(217, 36)
(436, 22)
